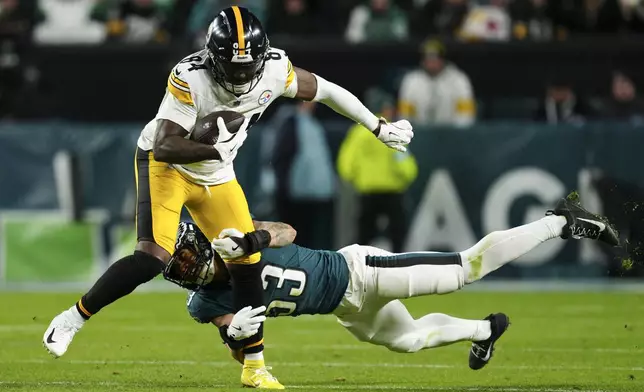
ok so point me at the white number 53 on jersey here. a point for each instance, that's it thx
(279, 307)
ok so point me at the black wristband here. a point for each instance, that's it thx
(232, 343)
(257, 240)
(377, 130)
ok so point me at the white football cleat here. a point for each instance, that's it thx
(61, 332)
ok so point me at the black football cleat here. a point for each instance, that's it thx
(481, 352)
(582, 223)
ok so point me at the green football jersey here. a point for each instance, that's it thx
(296, 281)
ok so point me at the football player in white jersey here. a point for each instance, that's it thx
(238, 71)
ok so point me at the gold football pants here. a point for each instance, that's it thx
(162, 192)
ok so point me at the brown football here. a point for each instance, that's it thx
(206, 130)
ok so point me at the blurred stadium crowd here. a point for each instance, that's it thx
(66, 21)
(446, 96)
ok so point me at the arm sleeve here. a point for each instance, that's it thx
(178, 104)
(465, 108)
(345, 103)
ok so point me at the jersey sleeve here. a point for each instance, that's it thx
(180, 88)
(178, 104)
(290, 88)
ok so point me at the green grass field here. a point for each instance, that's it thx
(558, 342)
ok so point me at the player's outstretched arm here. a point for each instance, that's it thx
(171, 145)
(282, 234)
(311, 87)
(233, 244)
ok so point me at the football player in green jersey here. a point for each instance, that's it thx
(362, 285)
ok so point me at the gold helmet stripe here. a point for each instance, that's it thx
(240, 30)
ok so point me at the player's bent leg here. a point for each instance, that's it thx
(161, 192)
(220, 207)
(120, 279)
(393, 327)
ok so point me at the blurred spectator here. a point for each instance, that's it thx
(17, 19)
(561, 105)
(624, 103)
(304, 175)
(438, 92)
(487, 22)
(290, 17)
(16, 25)
(531, 19)
(633, 12)
(205, 11)
(442, 17)
(597, 16)
(177, 20)
(68, 22)
(139, 21)
(380, 21)
(379, 174)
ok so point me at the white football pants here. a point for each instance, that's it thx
(371, 309)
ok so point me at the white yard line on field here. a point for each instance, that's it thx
(341, 387)
(322, 364)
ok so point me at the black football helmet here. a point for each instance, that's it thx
(191, 265)
(238, 47)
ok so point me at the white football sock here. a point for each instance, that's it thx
(443, 329)
(255, 356)
(500, 247)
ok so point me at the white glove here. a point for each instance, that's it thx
(227, 143)
(226, 246)
(395, 135)
(246, 322)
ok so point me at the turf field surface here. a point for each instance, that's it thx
(558, 342)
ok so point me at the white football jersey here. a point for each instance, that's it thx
(192, 94)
